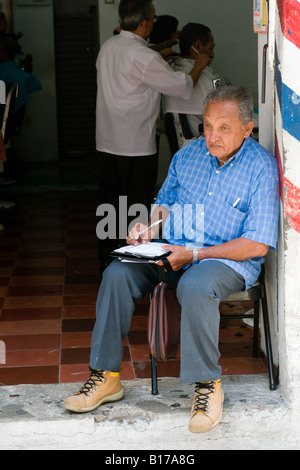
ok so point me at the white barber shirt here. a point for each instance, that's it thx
(193, 107)
(131, 78)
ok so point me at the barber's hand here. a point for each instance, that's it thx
(180, 256)
(201, 61)
(135, 237)
(168, 53)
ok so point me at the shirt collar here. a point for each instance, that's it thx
(235, 156)
(129, 34)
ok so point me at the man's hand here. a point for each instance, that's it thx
(180, 256)
(168, 53)
(239, 249)
(139, 234)
(201, 61)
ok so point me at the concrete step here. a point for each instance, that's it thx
(33, 417)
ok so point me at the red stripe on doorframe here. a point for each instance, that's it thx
(289, 12)
(292, 205)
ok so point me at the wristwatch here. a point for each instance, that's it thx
(195, 256)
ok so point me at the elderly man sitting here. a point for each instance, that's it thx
(220, 251)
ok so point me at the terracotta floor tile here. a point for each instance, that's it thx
(139, 323)
(236, 334)
(42, 241)
(8, 254)
(127, 371)
(74, 373)
(31, 342)
(29, 375)
(77, 325)
(36, 281)
(16, 314)
(32, 247)
(3, 291)
(39, 262)
(7, 263)
(33, 301)
(39, 271)
(30, 327)
(41, 254)
(138, 337)
(39, 236)
(4, 281)
(32, 357)
(78, 300)
(242, 366)
(83, 270)
(31, 291)
(75, 356)
(79, 312)
(76, 340)
(139, 353)
(6, 272)
(86, 289)
(84, 252)
(83, 279)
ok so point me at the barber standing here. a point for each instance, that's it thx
(131, 78)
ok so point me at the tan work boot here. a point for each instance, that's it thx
(103, 386)
(207, 407)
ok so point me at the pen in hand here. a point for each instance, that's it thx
(150, 226)
(134, 237)
(195, 50)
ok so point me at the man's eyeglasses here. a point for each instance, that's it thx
(154, 18)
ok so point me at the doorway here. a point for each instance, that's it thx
(76, 38)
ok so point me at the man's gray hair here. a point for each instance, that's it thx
(239, 94)
(132, 12)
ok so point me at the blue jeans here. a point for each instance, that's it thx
(199, 290)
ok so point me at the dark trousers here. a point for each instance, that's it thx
(133, 177)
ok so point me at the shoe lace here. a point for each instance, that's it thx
(90, 384)
(202, 399)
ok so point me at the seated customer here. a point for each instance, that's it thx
(165, 32)
(222, 193)
(194, 39)
(10, 73)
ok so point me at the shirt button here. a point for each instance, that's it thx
(217, 171)
(210, 194)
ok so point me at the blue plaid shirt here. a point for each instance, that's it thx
(212, 205)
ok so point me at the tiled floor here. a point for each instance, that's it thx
(49, 278)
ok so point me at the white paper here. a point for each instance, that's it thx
(150, 249)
